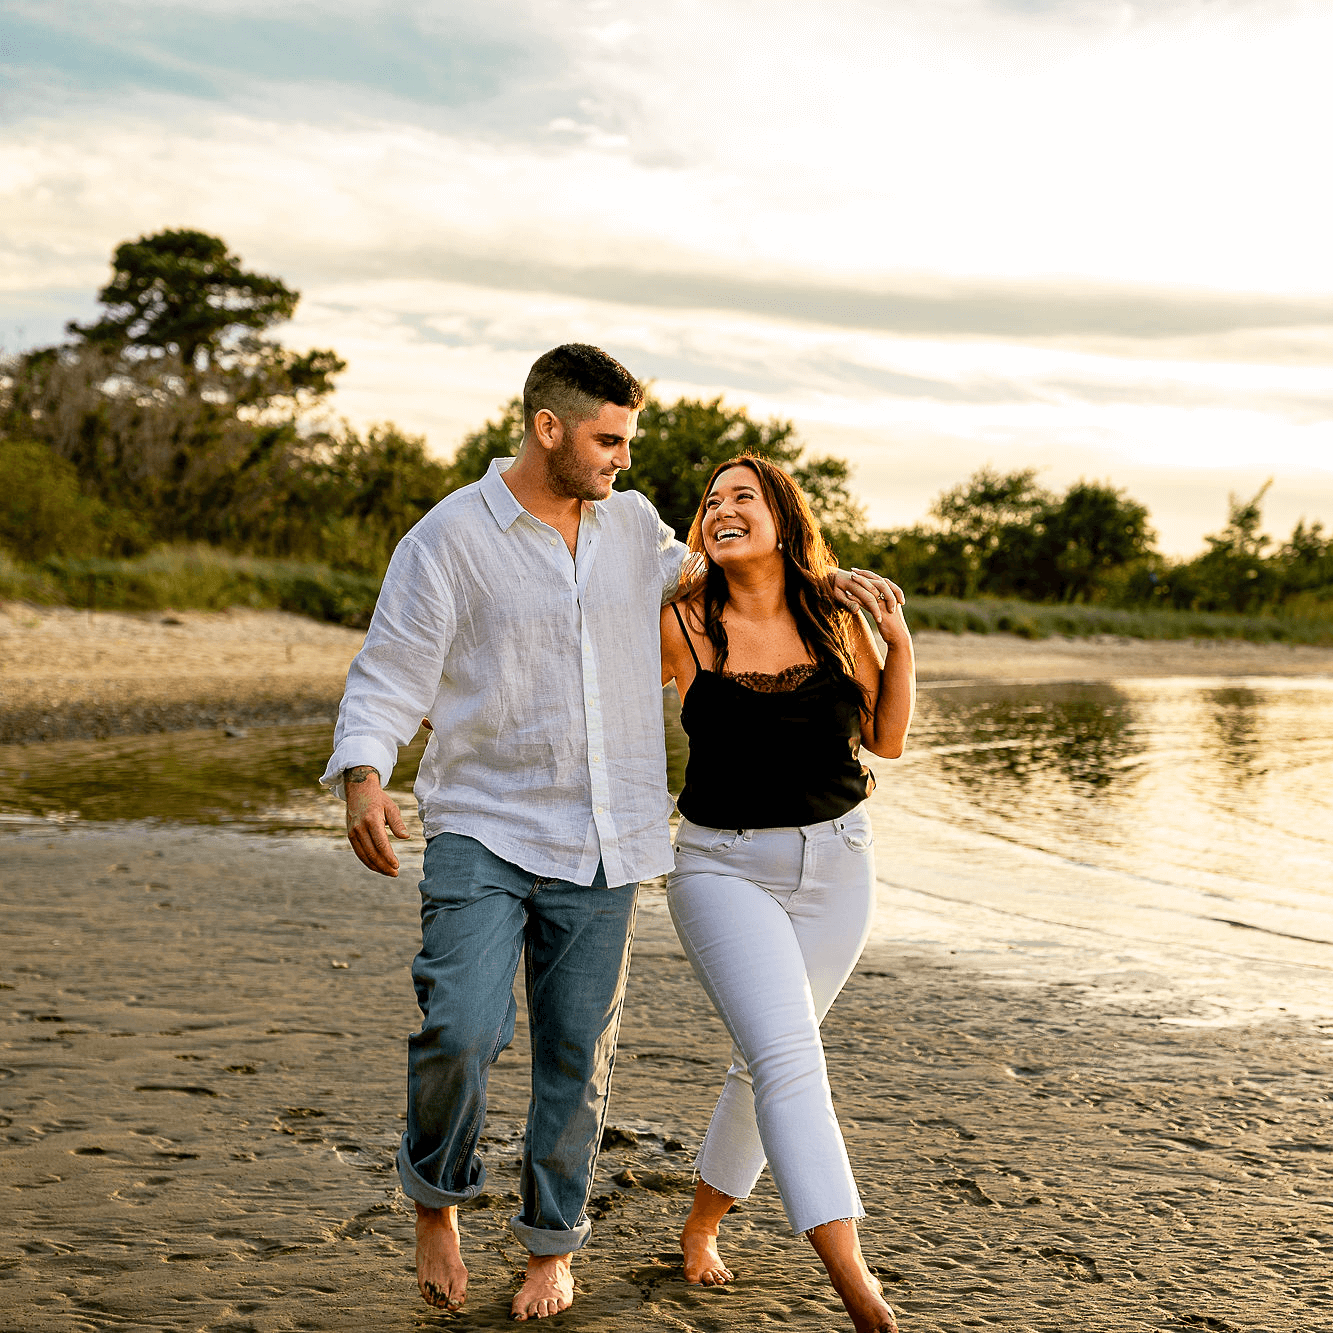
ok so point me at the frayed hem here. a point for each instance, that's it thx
(828, 1221)
(696, 1176)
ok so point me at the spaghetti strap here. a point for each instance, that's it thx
(698, 666)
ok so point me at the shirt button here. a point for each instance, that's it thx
(597, 759)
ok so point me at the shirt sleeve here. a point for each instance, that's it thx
(394, 679)
(673, 556)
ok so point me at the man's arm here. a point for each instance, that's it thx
(392, 681)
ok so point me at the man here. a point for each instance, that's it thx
(520, 616)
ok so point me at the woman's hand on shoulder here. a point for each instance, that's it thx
(862, 589)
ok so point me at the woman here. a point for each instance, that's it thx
(773, 888)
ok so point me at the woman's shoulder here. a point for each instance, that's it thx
(687, 610)
(680, 658)
(673, 635)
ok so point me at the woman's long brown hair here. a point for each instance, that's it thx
(823, 624)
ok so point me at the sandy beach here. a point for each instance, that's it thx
(72, 673)
(201, 1081)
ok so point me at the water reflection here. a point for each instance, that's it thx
(1237, 724)
(1224, 786)
(264, 779)
(986, 736)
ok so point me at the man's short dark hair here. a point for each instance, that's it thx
(575, 381)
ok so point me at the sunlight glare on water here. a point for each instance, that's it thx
(1177, 826)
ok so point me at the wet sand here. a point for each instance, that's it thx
(201, 1091)
(201, 1088)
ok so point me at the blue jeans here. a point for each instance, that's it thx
(479, 916)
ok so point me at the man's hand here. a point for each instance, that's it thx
(369, 812)
(859, 587)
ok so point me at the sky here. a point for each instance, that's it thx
(1082, 236)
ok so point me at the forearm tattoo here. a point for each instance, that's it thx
(358, 774)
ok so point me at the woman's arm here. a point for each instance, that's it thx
(890, 683)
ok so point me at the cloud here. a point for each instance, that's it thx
(1038, 309)
(1049, 230)
(401, 201)
(847, 145)
(1023, 395)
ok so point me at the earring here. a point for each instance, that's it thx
(779, 546)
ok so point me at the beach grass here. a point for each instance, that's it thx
(193, 578)
(205, 578)
(1031, 620)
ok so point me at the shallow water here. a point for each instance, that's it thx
(1198, 782)
(1177, 829)
(264, 780)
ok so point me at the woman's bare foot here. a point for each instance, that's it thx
(838, 1246)
(698, 1238)
(869, 1310)
(441, 1274)
(547, 1289)
(703, 1264)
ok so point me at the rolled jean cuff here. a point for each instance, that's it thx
(543, 1241)
(421, 1191)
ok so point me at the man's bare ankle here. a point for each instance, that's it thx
(441, 1273)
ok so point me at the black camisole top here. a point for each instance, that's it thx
(771, 758)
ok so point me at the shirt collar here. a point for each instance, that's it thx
(500, 500)
(503, 504)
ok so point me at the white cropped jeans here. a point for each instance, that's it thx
(773, 921)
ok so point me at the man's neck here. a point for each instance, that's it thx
(529, 485)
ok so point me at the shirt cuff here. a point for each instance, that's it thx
(692, 566)
(353, 751)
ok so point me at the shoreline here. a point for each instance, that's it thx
(79, 674)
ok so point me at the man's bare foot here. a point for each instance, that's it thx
(547, 1289)
(703, 1264)
(441, 1275)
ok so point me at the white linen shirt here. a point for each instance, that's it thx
(540, 675)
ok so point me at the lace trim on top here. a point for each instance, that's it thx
(778, 682)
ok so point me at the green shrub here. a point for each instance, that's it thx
(21, 583)
(1023, 626)
(42, 510)
(201, 578)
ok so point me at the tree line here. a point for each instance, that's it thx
(177, 418)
